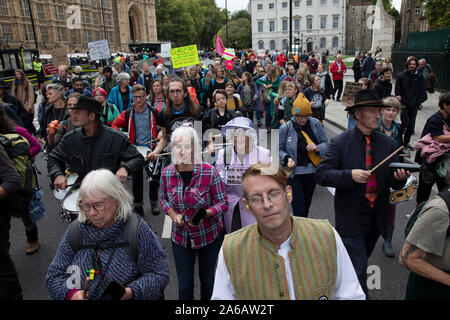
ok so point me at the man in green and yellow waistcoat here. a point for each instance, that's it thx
(282, 256)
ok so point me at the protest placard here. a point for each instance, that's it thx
(49, 69)
(165, 50)
(184, 56)
(59, 57)
(99, 50)
(350, 90)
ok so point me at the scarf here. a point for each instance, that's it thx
(322, 79)
(302, 155)
(174, 112)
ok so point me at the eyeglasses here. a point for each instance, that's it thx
(138, 97)
(98, 206)
(175, 92)
(257, 201)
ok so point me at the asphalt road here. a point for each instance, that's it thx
(387, 278)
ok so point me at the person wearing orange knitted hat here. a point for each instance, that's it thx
(302, 142)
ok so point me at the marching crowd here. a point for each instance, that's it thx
(239, 210)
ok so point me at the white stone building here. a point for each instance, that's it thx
(319, 24)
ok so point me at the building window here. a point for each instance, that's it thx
(323, 2)
(309, 23)
(94, 3)
(259, 6)
(85, 16)
(284, 5)
(3, 8)
(297, 24)
(335, 42)
(40, 12)
(271, 5)
(285, 25)
(24, 11)
(335, 22)
(417, 10)
(62, 34)
(323, 22)
(74, 36)
(353, 9)
(364, 32)
(110, 36)
(296, 3)
(364, 15)
(272, 44)
(6, 30)
(28, 32)
(59, 13)
(107, 4)
(335, 1)
(271, 26)
(260, 44)
(309, 2)
(86, 2)
(323, 43)
(352, 38)
(285, 45)
(260, 26)
(44, 34)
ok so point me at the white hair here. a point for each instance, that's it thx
(251, 133)
(104, 183)
(186, 130)
(122, 76)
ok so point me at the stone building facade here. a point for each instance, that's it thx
(318, 24)
(412, 19)
(72, 24)
(358, 36)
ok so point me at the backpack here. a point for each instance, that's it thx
(445, 195)
(313, 64)
(267, 96)
(132, 228)
(18, 151)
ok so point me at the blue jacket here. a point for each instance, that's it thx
(288, 144)
(116, 98)
(367, 67)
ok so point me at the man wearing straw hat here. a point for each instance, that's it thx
(362, 196)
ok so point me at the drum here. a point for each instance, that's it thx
(143, 150)
(407, 193)
(69, 206)
(156, 167)
(71, 180)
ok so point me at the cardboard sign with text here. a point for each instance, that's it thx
(184, 56)
(350, 90)
(99, 50)
(49, 69)
(59, 57)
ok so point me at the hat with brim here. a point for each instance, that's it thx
(88, 104)
(238, 123)
(366, 98)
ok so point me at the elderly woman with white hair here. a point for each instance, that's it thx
(193, 195)
(231, 164)
(116, 246)
(121, 95)
(159, 72)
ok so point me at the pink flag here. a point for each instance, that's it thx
(219, 46)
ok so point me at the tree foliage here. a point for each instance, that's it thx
(185, 22)
(239, 34)
(437, 13)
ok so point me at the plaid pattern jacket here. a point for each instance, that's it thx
(206, 190)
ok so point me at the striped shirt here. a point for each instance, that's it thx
(206, 190)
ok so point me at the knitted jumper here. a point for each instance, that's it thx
(147, 277)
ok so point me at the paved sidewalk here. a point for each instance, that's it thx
(336, 115)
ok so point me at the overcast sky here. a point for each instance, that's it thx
(234, 5)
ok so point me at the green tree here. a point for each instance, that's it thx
(241, 14)
(239, 34)
(437, 13)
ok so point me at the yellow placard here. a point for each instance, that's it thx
(184, 56)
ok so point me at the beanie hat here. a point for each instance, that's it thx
(301, 106)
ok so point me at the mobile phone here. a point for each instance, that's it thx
(114, 291)
(198, 216)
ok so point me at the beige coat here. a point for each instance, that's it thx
(25, 95)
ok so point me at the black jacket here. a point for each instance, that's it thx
(383, 87)
(345, 153)
(109, 149)
(411, 87)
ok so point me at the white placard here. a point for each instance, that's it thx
(99, 50)
(165, 50)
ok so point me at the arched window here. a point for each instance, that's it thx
(272, 44)
(323, 43)
(260, 44)
(335, 42)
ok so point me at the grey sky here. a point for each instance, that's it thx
(234, 5)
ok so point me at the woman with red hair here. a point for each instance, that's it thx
(109, 109)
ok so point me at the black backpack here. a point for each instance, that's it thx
(132, 228)
(445, 195)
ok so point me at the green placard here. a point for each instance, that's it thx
(184, 56)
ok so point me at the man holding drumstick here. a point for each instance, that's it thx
(362, 195)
